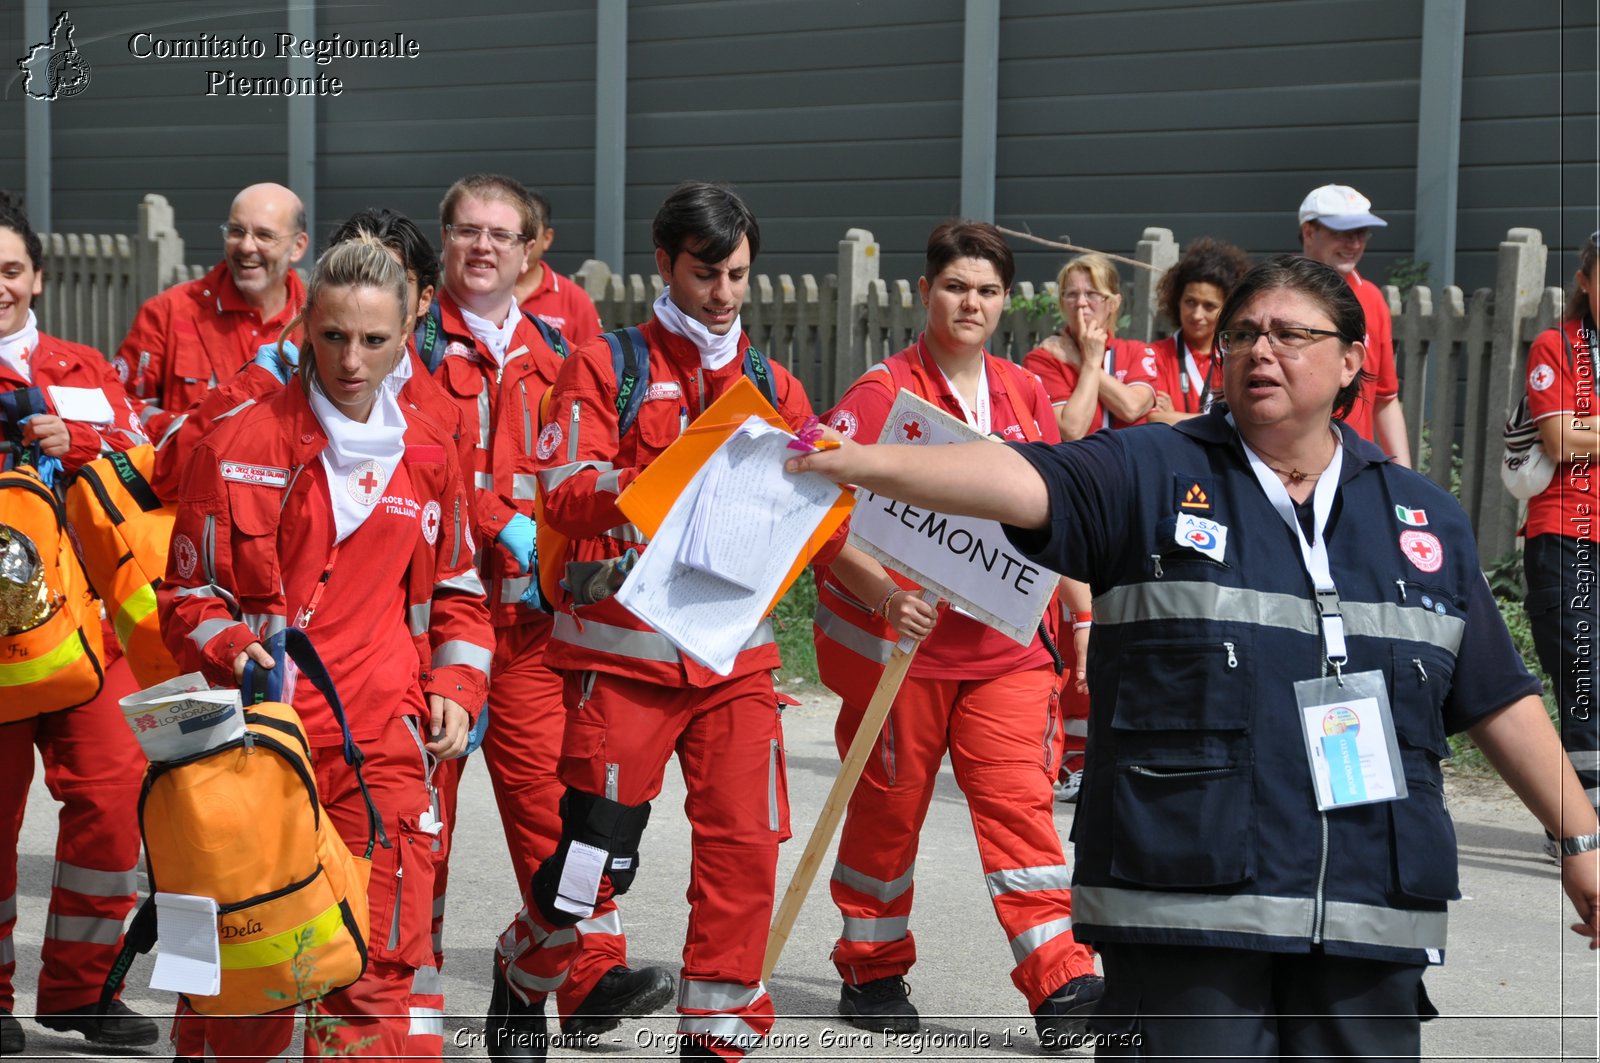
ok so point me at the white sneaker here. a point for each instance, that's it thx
(1067, 792)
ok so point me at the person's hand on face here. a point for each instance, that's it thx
(1090, 334)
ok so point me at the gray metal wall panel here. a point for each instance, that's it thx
(501, 86)
(1208, 119)
(826, 115)
(146, 125)
(1529, 133)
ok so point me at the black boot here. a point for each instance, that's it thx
(12, 1039)
(119, 1027)
(513, 1031)
(620, 993)
(1062, 1016)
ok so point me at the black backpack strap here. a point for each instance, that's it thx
(551, 336)
(133, 482)
(430, 337)
(630, 360)
(136, 941)
(759, 370)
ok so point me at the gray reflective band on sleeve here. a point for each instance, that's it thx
(207, 630)
(465, 582)
(85, 928)
(243, 406)
(172, 429)
(513, 587)
(724, 1028)
(1184, 600)
(418, 617)
(458, 651)
(426, 1022)
(485, 417)
(92, 883)
(265, 625)
(524, 486)
(483, 481)
(1025, 943)
(851, 637)
(717, 996)
(1029, 879)
(889, 928)
(873, 887)
(551, 479)
(628, 533)
(610, 482)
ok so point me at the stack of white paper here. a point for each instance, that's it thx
(189, 956)
(182, 717)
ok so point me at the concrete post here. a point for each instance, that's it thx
(858, 267)
(160, 246)
(1159, 249)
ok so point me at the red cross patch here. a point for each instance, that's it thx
(365, 482)
(1422, 549)
(184, 553)
(431, 516)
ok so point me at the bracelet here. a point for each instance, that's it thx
(1582, 843)
(1082, 618)
(883, 606)
(1079, 625)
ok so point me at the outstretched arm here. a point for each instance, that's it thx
(983, 479)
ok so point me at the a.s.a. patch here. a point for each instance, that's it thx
(1194, 494)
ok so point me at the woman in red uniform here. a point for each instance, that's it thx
(1188, 367)
(971, 691)
(91, 762)
(1091, 296)
(329, 507)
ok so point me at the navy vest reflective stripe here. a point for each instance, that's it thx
(1197, 823)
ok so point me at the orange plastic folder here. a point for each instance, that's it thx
(647, 499)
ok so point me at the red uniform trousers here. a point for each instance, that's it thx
(378, 1005)
(1000, 735)
(521, 749)
(94, 767)
(729, 741)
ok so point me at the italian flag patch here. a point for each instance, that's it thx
(1415, 517)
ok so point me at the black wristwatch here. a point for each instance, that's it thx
(1583, 843)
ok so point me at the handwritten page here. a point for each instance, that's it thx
(189, 958)
(753, 519)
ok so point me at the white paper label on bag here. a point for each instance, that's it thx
(580, 879)
(88, 405)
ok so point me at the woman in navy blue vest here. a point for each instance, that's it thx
(1287, 626)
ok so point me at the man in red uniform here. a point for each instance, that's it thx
(91, 763)
(496, 362)
(1335, 223)
(632, 699)
(192, 336)
(559, 301)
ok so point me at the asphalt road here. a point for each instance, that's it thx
(1517, 983)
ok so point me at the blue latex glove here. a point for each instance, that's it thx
(480, 727)
(46, 466)
(268, 359)
(518, 536)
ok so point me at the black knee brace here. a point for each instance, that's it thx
(604, 824)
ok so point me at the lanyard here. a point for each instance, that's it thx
(1314, 555)
(303, 618)
(1190, 379)
(978, 419)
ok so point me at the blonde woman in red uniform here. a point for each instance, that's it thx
(330, 507)
(971, 691)
(1091, 297)
(1188, 366)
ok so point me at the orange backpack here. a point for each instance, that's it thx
(124, 531)
(243, 824)
(55, 664)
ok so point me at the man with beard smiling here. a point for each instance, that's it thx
(189, 337)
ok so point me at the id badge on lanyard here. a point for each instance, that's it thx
(1351, 748)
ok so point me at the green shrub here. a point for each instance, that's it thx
(792, 622)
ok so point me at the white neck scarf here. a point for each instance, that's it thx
(396, 380)
(715, 351)
(495, 337)
(16, 348)
(360, 457)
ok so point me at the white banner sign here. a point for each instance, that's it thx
(967, 560)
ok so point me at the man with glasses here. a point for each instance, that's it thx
(1335, 223)
(191, 336)
(496, 362)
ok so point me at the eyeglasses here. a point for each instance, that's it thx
(1286, 341)
(503, 239)
(235, 234)
(1091, 297)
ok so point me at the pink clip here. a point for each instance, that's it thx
(806, 438)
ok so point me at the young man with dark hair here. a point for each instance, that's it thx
(632, 698)
(559, 301)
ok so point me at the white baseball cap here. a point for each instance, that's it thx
(1339, 207)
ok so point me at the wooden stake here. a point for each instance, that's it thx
(844, 784)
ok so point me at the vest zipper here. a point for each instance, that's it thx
(572, 433)
(1233, 660)
(527, 420)
(1155, 559)
(1319, 901)
(1422, 673)
(1402, 585)
(455, 540)
(700, 387)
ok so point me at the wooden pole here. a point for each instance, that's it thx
(844, 784)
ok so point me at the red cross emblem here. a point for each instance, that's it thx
(431, 518)
(365, 481)
(913, 431)
(1422, 549)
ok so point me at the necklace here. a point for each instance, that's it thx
(1294, 476)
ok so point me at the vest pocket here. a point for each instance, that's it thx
(1424, 848)
(1183, 825)
(1419, 679)
(1194, 684)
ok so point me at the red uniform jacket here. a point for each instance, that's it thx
(499, 412)
(62, 364)
(584, 466)
(192, 336)
(239, 515)
(562, 304)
